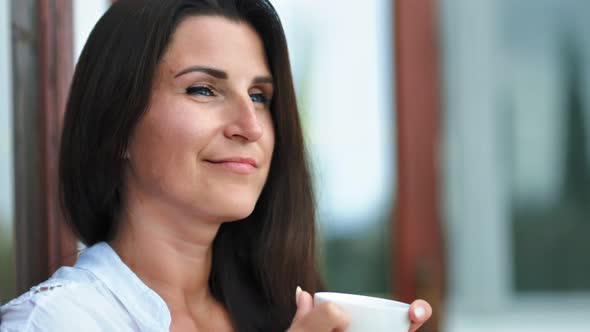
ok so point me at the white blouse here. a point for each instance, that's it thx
(99, 293)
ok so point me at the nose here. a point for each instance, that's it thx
(244, 124)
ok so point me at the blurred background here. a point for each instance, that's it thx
(510, 142)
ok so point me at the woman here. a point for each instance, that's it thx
(182, 169)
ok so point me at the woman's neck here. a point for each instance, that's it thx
(169, 252)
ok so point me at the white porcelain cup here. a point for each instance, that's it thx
(369, 314)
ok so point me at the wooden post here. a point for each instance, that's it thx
(418, 269)
(43, 61)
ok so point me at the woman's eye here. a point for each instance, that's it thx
(200, 90)
(259, 98)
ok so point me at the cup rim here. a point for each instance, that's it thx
(366, 301)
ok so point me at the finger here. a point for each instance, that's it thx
(304, 304)
(420, 311)
(326, 317)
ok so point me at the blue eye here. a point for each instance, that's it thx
(259, 98)
(200, 90)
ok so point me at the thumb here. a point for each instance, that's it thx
(304, 304)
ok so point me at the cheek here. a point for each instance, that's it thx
(166, 139)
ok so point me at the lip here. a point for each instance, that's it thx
(239, 165)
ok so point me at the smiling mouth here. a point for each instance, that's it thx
(243, 166)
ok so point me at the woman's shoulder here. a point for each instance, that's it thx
(72, 300)
(99, 293)
(64, 280)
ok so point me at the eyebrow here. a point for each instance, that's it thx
(220, 74)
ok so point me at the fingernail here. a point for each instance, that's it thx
(419, 312)
(297, 292)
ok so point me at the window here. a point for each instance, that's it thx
(7, 275)
(517, 110)
(340, 52)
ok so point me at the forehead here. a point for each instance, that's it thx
(216, 41)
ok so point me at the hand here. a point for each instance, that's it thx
(325, 317)
(420, 311)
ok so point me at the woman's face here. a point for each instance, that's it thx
(205, 144)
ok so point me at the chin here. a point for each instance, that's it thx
(235, 218)
(225, 203)
(237, 211)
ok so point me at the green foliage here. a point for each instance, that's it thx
(358, 262)
(7, 273)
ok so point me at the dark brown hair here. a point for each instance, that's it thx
(257, 262)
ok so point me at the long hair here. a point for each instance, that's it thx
(257, 263)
